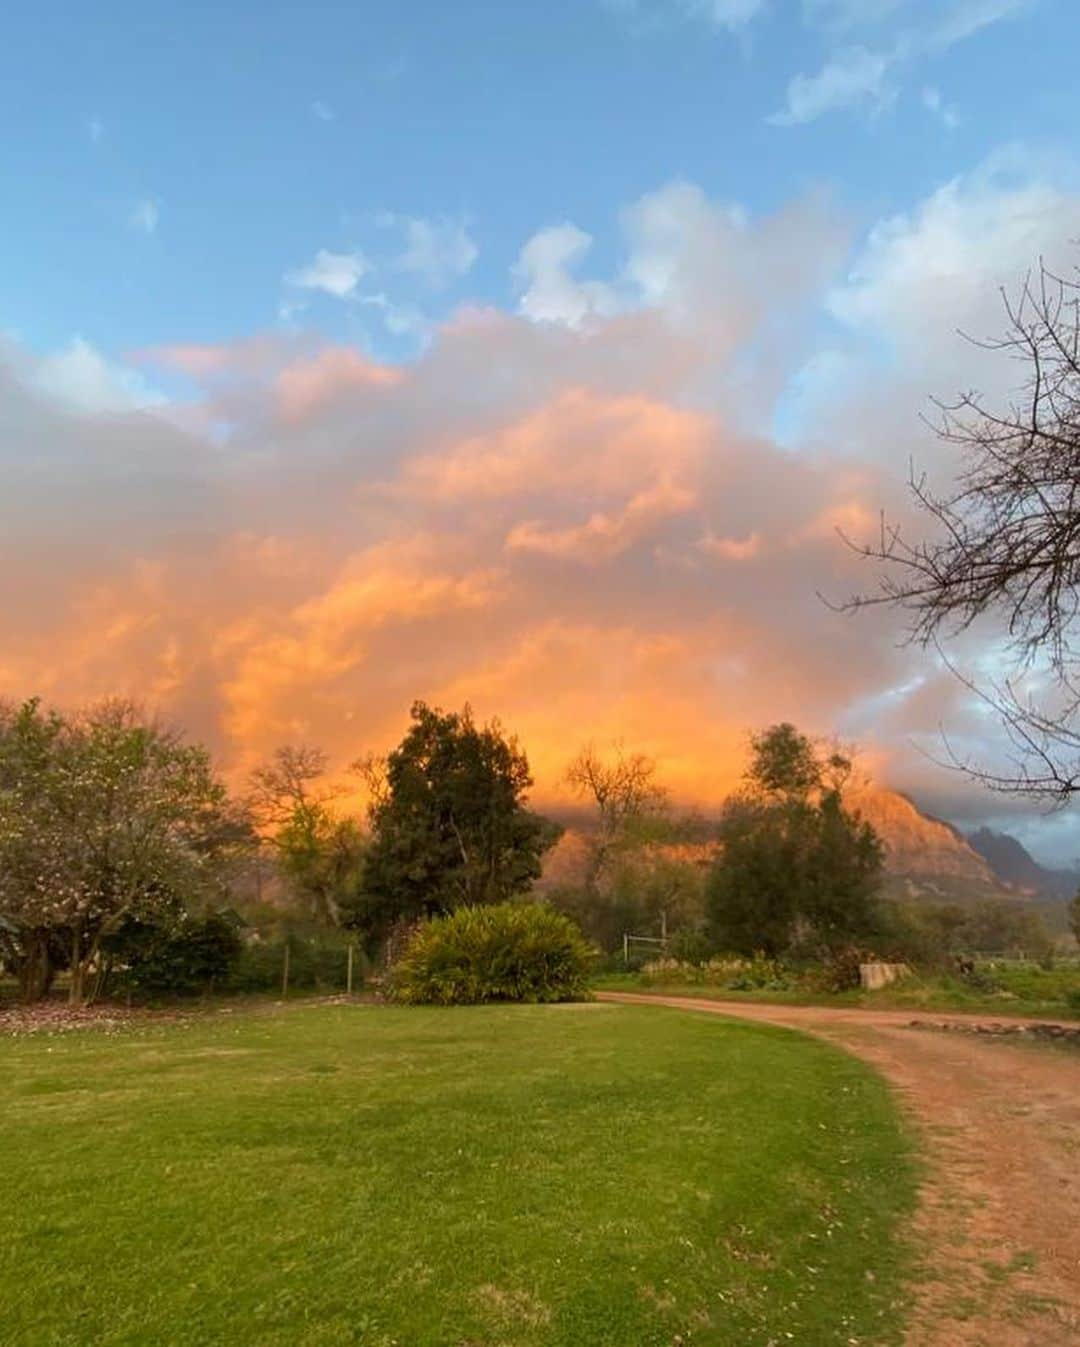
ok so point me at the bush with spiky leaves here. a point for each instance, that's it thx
(500, 952)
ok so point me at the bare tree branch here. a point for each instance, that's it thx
(1005, 541)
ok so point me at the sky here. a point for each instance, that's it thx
(530, 355)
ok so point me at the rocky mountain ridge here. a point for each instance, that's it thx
(925, 857)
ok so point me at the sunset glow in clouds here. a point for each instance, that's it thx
(597, 497)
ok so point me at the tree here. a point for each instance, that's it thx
(103, 816)
(451, 828)
(1074, 917)
(629, 802)
(320, 854)
(795, 866)
(1005, 540)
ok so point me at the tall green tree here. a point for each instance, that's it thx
(795, 866)
(103, 816)
(450, 825)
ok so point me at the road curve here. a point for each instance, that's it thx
(999, 1217)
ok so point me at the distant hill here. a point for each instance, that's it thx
(925, 857)
(1014, 864)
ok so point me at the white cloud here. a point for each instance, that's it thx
(544, 273)
(895, 35)
(323, 111)
(439, 251)
(965, 18)
(336, 274)
(934, 103)
(144, 216)
(924, 273)
(401, 320)
(706, 266)
(853, 77)
(81, 378)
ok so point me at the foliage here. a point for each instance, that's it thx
(317, 962)
(320, 855)
(180, 956)
(527, 1171)
(993, 987)
(103, 816)
(783, 763)
(451, 828)
(731, 974)
(505, 952)
(796, 868)
(840, 971)
(630, 804)
(1002, 927)
(645, 889)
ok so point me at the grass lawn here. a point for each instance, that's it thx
(572, 1176)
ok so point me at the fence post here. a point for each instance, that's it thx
(625, 948)
(348, 978)
(285, 971)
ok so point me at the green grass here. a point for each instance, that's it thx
(578, 1176)
(1023, 990)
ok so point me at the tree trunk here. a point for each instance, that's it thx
(35, 971)
(78, 970)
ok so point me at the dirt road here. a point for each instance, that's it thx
(999, 1219)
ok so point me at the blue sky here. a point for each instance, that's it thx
(166, 167)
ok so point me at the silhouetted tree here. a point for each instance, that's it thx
(795, 866)
(1005, 540)
(451, 826)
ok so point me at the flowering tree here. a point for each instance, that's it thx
(102, 816)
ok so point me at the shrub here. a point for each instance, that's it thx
(190, 955)
(498, 952)
(840, 971)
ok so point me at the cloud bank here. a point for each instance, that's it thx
(576, 516)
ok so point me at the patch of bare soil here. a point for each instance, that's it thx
(998, 1226)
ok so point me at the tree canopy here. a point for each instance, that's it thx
(450, 827)
(103, 816)
(796, 868)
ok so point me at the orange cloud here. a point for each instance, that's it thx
(540, 522)
(309, 383)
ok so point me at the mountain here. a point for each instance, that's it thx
(1013, 863)
(925, 857)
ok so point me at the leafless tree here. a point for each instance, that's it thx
(624, 789)
(286, 784)
(372, 769)
(1005, 541)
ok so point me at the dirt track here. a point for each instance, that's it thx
(999, 1219)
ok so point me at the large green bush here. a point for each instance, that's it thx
(498, 952)
(178, 957)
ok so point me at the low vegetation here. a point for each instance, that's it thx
(504, 952)
(996, 987)
(521, 1176)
